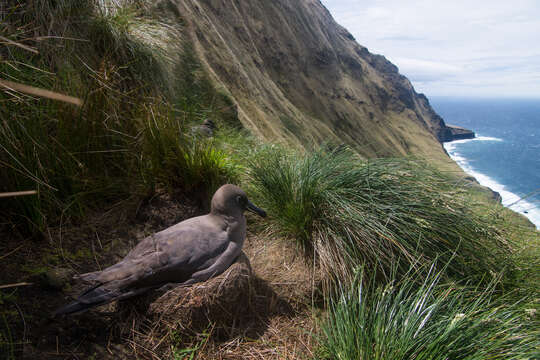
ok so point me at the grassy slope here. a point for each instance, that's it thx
(131, 134)
(298, 77)
(134, 118)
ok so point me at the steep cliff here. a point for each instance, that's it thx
(298, 76)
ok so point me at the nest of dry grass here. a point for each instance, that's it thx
(238, 314)
(160, 320)
(257, 309)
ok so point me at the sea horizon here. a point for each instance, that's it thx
(486, 97)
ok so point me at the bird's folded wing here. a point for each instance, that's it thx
(166, 257)
(198, 251)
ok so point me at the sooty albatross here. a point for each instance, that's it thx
(191, 251)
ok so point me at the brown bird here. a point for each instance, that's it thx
(191, 251)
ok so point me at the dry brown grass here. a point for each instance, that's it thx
(161, 320)
(252, 311)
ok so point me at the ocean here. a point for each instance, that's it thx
(505, 155)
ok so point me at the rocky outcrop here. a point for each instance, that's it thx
(457, 133)
(296, 75)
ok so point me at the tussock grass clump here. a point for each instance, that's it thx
(130, 134)
(76, 157)
(380, 213)
(401, 320)
(173, 156)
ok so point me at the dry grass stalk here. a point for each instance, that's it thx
(8, 286)
(25, 47)
(31, 90)
(17, 193)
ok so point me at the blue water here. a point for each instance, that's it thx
(506, 153)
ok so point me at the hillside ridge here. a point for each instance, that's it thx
(298, 76)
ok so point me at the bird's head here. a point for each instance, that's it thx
(231, 200)
(209, 123)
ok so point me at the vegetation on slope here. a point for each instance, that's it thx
(433, 320)
(400, 220)
(130, 135)
(380, 213)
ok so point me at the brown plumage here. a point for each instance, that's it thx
(191, 251)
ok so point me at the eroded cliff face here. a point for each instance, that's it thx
(298, 76)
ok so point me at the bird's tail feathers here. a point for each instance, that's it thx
(72, 308)
(96, 296)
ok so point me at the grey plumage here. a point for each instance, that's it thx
(191, 251)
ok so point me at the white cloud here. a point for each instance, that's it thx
(425, 70)
(449, 47)
(376, 12)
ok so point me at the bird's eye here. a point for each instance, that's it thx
(241, 200)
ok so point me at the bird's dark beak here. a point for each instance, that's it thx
(252, 208)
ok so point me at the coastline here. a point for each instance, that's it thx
(509, 199)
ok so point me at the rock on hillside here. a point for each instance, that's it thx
(296, 75)
(458, 133)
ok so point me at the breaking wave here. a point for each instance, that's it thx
(509, 199)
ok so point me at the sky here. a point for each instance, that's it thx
(465, 48)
